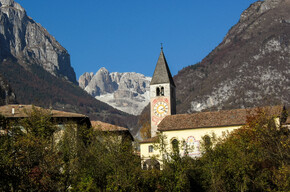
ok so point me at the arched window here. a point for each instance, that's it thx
(162, 91)
(175, 145)
(144, 166)
(157, 91)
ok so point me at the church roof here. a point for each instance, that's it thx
(222, 118)
(162, 73)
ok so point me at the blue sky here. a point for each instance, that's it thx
(125, 35)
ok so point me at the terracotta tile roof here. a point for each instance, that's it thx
(21, 111)
(212, 119)
(102, 126)
(150, 140)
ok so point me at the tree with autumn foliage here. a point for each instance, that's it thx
(144, 123)
(255, 157)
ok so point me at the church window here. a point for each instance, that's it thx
(162, 91)
(175, 146)
(157, 91)
(151, 149)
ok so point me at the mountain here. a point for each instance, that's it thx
(29, 42)
(128, 92)
(250, 67)
(38, 69)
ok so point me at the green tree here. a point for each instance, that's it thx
(255, 157)
(31, 164)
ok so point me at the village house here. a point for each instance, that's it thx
(119, 133)
(15, 113)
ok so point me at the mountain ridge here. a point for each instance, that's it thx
(249, 68)
(128, 91)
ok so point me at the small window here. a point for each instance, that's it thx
(162, 91)
(150, 149)
(157, 91)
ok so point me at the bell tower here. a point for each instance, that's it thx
(162, 93)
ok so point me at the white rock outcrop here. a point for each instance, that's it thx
(128, 92)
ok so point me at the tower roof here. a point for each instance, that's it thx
(162, 73)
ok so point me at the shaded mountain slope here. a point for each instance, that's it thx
(250, 67)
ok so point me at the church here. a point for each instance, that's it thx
(181, 130)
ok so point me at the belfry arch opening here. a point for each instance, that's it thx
(160, 91)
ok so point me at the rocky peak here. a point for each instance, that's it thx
(5, 3)
(258, 8)
(269, 4)
(85, 79)
(127, 92)
(30, 43)
(100, 83)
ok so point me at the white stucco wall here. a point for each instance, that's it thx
(192, 137)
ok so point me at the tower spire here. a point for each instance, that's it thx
(162, 73)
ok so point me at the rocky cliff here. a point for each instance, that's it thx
(30, 43)
(250, 67)
(128, 92)
(38, 70)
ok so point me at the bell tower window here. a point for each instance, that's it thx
(160, 91)
(157, 91)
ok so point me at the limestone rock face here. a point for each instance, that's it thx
(250, 67)
(128, 92)
(85, 79)
(29, 42)
(101, 83)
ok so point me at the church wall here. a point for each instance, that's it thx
(193, 137)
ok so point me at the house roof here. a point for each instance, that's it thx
(150, 140)
(21, 111)
(102, 126)
(212, 119)
(162, 73)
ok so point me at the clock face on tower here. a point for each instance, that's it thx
(160, 109)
